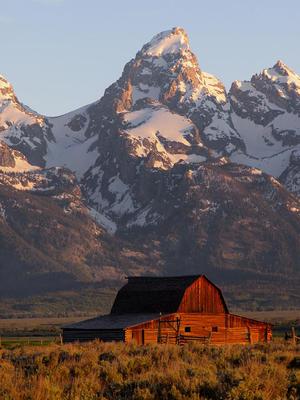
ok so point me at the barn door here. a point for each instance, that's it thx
(138, 335)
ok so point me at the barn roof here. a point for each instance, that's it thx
(113, 321)
(152, 294)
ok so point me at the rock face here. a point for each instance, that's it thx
(222, 216)
(166, 71)
(21, 128)
(6, 156)
(291, 175)
(50, 240)
(13, 160)
(266, 113)
(171, 167)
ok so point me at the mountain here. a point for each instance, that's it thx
(21, 128)
(266, 113)
(166, 173)
(221, 216)
(49, 240)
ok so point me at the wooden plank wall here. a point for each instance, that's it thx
(202, 297)
(85, 335)
(219, 328)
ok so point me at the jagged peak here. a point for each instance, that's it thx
(243, 86)
(171, 41)
(280, 72)
(4, 82)
(282, 68)
(6, 89)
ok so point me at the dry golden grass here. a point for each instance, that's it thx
(118, 371)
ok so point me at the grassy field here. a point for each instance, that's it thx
(17, 332)
(34, 365)
(43, 324)
(95, 371)
(14, 342)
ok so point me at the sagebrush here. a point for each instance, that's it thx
(120, 371)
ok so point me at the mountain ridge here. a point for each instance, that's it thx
(178, 173)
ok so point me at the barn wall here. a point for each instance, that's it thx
(202, 297)
(107, 335)
(148, 332)
(212, 328)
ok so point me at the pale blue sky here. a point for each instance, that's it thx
(62, 54)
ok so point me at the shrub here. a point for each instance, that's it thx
(107, 371)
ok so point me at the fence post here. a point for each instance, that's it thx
(293, 336)
(250, 335)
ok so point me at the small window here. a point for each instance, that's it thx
(187, 329)
(215, 329)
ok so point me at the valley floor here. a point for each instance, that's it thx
(118, 371)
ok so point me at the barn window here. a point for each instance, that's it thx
(215, 329)
(187, 329)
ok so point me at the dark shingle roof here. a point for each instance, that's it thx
(112, 321)
(152, 294)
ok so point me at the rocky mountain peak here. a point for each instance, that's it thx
(6, 90)
(281, 86)
(168, 42)
(280, 73)
(167, 72)
(154, 161)
(281, 68)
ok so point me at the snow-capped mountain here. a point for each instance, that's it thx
(166, 71)
(153, 162)
(163, 110)
(266, 113)
(21, 128)
(222, 215)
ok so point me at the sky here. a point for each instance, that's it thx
(61, 54)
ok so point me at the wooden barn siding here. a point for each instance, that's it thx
(231, 329)
(85, 335)
(202, 297)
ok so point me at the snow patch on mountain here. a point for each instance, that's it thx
(265, 113)
(168, 42)
(214, 87)
(71, 148)
(21, 165)
(10, 114)
(151, 123)
(4, 83)
(282, 74)
(144, 91)
(123, 203)
(103, 220)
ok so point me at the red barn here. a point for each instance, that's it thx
(170, 310)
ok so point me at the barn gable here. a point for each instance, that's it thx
(202, 296)
(168, 295)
